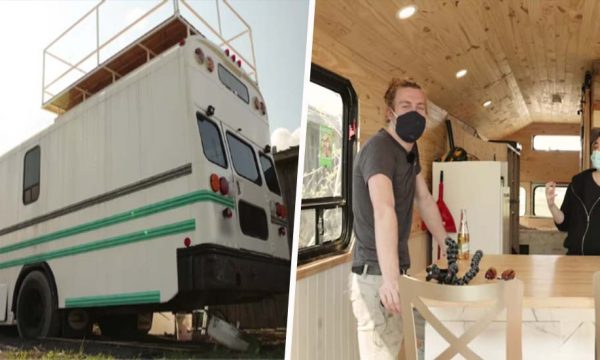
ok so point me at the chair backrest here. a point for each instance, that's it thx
(596, 283)
(501, 294)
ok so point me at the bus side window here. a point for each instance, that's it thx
(270, 175)
(31, 176)
(326, 212)
(212, 143)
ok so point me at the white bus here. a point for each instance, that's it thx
(156, 193)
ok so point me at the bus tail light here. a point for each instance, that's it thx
(223, 186)
(280, 210)
(282, 231)
(227, 213)
(215, 183)
(187, 242)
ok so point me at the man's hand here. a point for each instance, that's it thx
(550, 193)
(389, 296)
(442, 246)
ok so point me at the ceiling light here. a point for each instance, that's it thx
(461, 73)
(407, 12)
(487, 103)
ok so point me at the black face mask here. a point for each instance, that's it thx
(410, 126)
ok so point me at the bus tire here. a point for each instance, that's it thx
(37, 310)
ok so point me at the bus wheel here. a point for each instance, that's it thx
(37, 314)
(77, 323)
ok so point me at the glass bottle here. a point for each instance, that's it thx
(463, 236)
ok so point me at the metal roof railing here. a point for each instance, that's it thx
(97, 49)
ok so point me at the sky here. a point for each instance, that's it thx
(27, 27)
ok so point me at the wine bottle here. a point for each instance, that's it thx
(463, 236)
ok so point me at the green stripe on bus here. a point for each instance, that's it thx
(183, 226)
(197, 196)
(146, 297)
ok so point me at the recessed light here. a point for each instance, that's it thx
(487, 103)
(461, 73)
(407, 12)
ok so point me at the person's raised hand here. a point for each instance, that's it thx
(550, 193)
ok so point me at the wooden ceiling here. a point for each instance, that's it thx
(528, 57)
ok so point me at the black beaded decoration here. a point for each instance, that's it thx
(448, 276)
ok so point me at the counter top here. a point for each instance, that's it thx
(550, 281)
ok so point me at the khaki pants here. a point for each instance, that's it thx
(379, 333)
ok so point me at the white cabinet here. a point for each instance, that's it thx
(480, 187)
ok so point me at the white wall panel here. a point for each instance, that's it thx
(324, 326)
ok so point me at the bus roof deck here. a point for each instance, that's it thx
(88, 73)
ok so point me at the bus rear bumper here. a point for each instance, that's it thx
(214, 274)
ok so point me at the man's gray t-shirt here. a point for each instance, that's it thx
(382, 154)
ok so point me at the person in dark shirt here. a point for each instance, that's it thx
(579, 214)
(387, 181)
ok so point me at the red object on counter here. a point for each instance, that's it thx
(447, 219)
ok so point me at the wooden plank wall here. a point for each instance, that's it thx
(543, 166)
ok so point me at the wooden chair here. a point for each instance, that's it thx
(501, 294)
(596, 283)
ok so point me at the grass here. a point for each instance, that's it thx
(211, 352)
(50, 355)
(74, 355)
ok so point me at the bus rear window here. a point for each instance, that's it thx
(270, 175)
(253, 221)
(243, 158)
(211, 140)
(234, 84)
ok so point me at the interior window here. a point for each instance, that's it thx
(556, 143)
(326, 217)
(540, 205)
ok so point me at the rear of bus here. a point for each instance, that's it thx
(239, 251)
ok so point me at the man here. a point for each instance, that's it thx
(387, 181)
